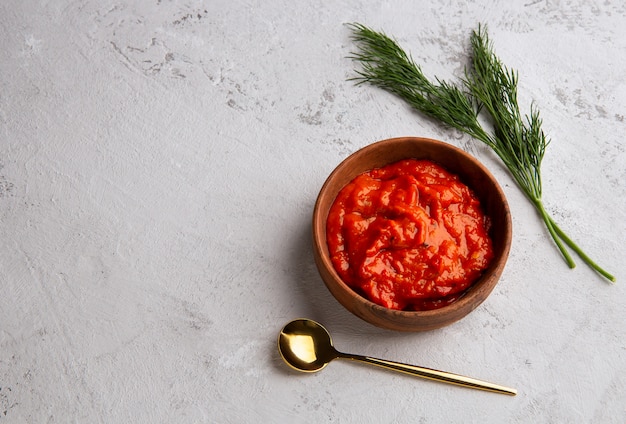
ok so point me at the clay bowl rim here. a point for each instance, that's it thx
(471, 299)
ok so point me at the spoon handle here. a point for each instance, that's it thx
(431, 374)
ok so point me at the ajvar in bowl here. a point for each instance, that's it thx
(422, 311)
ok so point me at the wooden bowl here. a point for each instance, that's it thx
(455, 160)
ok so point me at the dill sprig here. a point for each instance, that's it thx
(489, 87)
(386, 65)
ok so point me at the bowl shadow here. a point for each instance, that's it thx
(311, 297)
(313, 300)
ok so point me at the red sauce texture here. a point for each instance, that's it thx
(408, 236)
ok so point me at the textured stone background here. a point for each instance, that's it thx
(159, 161)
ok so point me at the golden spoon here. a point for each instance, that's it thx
(306, 346)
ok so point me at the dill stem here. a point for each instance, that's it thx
(551, 226)
(560, 236)
(580, 252)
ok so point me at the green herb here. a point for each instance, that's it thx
(488, 87)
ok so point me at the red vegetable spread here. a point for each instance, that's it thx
(408, 236)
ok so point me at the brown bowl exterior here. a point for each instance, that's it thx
(455, 160)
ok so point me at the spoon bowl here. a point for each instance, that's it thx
(305, 345)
